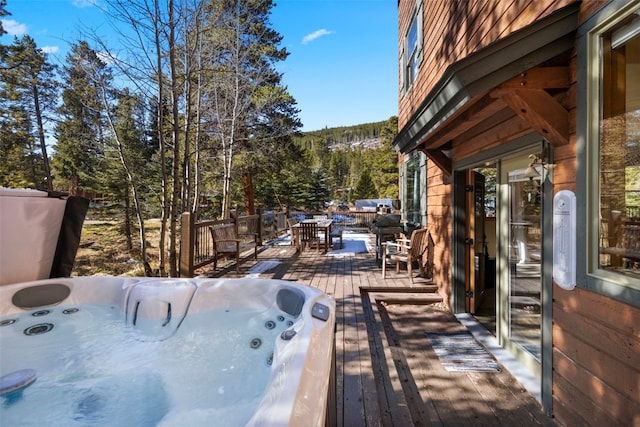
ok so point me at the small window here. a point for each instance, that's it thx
(412, 45)
(414, 190)
(618, 160)
(412, 49)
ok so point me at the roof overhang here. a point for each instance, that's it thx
(466, 81)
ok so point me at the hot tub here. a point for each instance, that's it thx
(188, 352)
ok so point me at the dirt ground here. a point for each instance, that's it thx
(103, 249)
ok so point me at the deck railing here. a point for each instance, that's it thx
(196, 243)
(348, 220)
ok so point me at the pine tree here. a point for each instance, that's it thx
(79, 133)
(15, 137)
(128, 151)
(3, 12)
(339, 168)
(383, 162)
(27, 92)
(318, 193)
(365, 189)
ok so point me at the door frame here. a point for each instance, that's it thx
(475, 241)
(458, 249)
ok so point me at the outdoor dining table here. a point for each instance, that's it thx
(324, 225)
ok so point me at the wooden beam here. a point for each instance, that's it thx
(540, 110)
(487, 126)
(484, 138)
(440, 160)
(540, 78)
(477, 113)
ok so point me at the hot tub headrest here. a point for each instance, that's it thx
(290, 301)
(40, 295)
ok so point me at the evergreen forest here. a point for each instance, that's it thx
(186, 114)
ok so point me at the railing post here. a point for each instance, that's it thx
(259, 230)
(187, 240)
(233, 216)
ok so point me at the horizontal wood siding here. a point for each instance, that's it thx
(595, 359)
(454, 29)
(439, 221)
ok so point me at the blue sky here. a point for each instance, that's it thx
(342, 67)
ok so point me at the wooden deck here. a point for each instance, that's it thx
(387, 374)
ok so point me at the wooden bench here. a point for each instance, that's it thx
(227, 241)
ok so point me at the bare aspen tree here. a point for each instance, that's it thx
(143, 40)
(127, 163)
(209, 66)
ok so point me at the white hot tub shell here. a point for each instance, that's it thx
(156, 314)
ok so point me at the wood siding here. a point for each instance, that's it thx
(456, 29)
(596, 339)
(439, 214)
(596, 349)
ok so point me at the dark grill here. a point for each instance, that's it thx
(385, 227)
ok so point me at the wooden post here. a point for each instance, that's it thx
(187, 240)
(233, 214)
(259, 230)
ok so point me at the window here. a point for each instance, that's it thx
(618, 137)
(413, 188)
(412, 49)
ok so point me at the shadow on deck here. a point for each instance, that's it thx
(387, 373)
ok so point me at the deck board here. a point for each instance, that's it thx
(386, 372)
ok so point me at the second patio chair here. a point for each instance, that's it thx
(308, 234)
(407, 251)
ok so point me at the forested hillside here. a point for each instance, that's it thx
(359, 161)
(365, 135)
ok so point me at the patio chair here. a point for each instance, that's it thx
(336, 233)
(291, 222)
(308, 234)
(406, 251)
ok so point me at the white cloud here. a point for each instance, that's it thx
(106, 57)
(13, 28)
(316, 34)
(81, 4)
(50, 49)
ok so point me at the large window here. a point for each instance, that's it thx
(618, 161)
(412, 49)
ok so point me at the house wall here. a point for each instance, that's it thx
(439, 214)
(455, 29)
(596, 339)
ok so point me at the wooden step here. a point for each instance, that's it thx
(420, 289)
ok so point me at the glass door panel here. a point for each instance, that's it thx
(523, 186)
